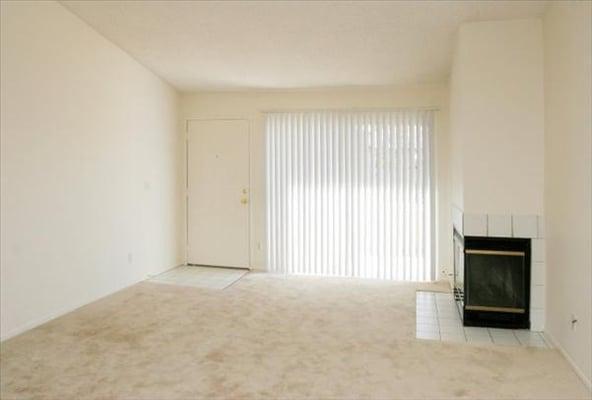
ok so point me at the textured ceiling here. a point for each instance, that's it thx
(198, 45)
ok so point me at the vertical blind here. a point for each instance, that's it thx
(350, 194)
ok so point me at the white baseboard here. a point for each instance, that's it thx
(40, 321)
(570, 360)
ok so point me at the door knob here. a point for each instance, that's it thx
(244, 200)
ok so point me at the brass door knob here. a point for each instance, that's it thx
(244, 200)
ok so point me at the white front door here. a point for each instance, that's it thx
(218, 193)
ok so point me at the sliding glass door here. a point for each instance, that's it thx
(350, 194)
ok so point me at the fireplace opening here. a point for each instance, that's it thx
(493, 288)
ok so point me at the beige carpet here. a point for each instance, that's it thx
(267, 337)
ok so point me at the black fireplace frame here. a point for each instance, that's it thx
(493, 318)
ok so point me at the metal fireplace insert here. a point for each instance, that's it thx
(492, 281)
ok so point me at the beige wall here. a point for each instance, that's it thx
(90, 156)
(456, 127)
(568, 178)
(497, 118)
(251, 105)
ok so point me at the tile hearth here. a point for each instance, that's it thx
(437, 318)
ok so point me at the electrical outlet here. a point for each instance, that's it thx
(445, 272)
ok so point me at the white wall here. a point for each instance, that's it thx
(568, 178)
(521, 143)
(90, 177)
(497, 138)
(252, 104)
(456, 128)
(497, 118)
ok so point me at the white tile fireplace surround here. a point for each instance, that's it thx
(513, 226)
(437, 318)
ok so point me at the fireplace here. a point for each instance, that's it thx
(492, 281)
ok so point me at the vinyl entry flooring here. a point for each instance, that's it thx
(201, 276)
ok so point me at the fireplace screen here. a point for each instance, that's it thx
(495, 281)
(492, 281)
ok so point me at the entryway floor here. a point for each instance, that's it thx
(437, 318)
(202, 277)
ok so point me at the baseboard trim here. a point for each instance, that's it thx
(570, 360)
(40, 321)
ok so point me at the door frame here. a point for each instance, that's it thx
(249, 217)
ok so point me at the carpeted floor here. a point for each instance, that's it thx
(267, 337)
